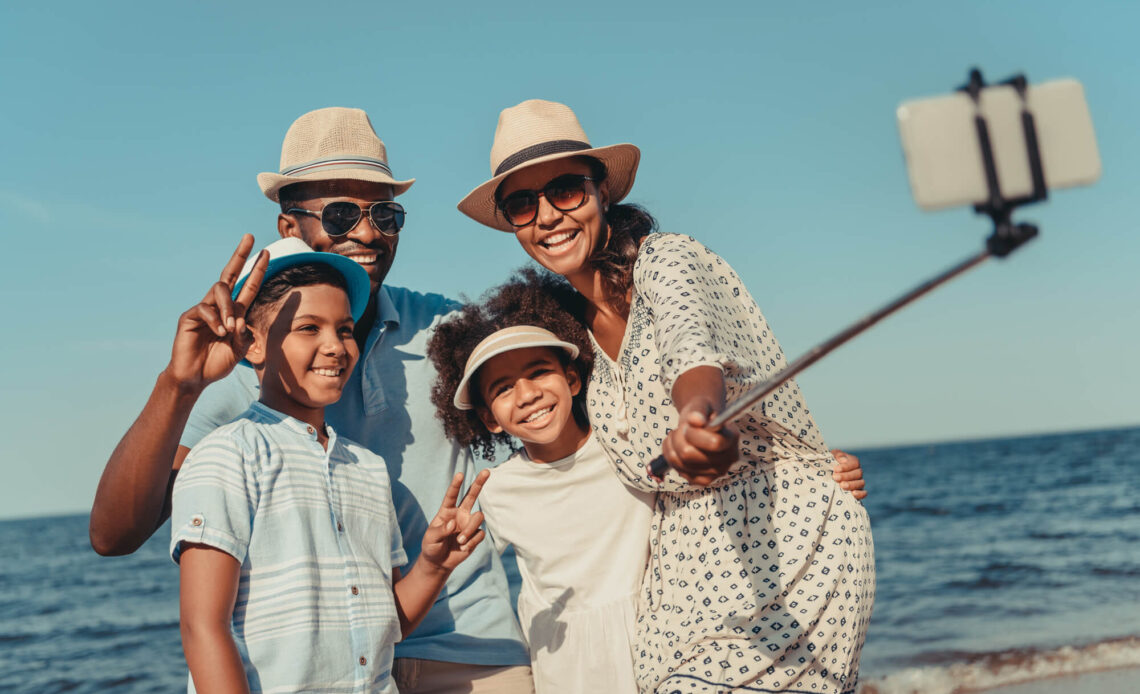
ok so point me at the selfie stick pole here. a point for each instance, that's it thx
(1005, 239)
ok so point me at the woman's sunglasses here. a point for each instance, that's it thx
(339, 218)
(564, 193)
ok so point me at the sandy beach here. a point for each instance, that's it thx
(1120, 681)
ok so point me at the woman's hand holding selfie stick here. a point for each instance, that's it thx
(1007, 236)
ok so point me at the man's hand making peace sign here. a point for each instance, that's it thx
(212, 336)
(133, 498)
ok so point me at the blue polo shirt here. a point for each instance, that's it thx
(316, 535)
(386, 407)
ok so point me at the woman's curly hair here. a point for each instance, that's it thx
(530, 297)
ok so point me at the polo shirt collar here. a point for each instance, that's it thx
(292, 423)
(386, 311)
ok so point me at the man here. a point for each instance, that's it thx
(470, 639)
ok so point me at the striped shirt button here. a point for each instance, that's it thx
(355, 590)
(311, 430)
(363, 660)
(339, 527)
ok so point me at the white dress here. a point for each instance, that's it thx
(763, 581)
(581, 537)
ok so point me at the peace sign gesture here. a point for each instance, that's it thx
(455, 531)
(212, 336)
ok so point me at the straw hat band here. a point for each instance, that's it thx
(337, 163)
(542, 149)
(331, 144)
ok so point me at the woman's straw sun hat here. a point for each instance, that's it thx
(331, 144)
(537, 131)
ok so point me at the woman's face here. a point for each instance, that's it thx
(560, 241)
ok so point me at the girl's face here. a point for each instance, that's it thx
(529, 394)
(561, 242)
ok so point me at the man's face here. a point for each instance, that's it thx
(364, 244)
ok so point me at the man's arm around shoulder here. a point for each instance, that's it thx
(133, 497)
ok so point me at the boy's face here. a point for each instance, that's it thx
(305, 350)
(529, 394)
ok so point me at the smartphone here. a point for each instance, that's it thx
(944, 157)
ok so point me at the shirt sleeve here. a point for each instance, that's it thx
(214, 497)
(490, 509)
(396, 538)
(704, 315)
(701, 311)
(220, 403)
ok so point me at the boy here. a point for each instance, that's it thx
(285, 534)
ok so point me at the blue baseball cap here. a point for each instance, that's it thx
(290, 252)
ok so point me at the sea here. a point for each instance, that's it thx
(998, 562)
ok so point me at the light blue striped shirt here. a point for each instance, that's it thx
(316, 534)
(386, 407)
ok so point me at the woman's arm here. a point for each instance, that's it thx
(698, 302)
(209, 585)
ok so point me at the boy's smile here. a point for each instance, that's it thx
(529, 394)
(307, 352)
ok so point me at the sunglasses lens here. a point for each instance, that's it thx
(387, 216)
(339, 218)
(520, 207)
(566, 193)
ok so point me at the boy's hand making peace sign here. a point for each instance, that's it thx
(212, 336)
(450, 538)
(455, 531)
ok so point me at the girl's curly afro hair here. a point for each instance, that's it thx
(530, 297)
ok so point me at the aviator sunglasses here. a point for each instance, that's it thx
(339, 218)
(564, 193)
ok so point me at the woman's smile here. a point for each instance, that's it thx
(559, 241)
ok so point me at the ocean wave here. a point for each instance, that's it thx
(988, 670)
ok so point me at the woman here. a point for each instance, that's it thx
(761, 572)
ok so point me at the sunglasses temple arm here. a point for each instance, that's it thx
(658, 466)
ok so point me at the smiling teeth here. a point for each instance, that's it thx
(556, 239)
(362, 259)
(327, 372)
(535, 415)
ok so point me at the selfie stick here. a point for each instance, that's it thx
(1005, 238)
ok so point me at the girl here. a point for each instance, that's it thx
(761, 573)
(514, 367)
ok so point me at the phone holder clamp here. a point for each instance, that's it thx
(1007, 236)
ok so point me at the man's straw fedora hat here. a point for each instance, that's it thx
(537, 131)
(331, 144)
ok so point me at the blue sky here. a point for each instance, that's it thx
(134, 132)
